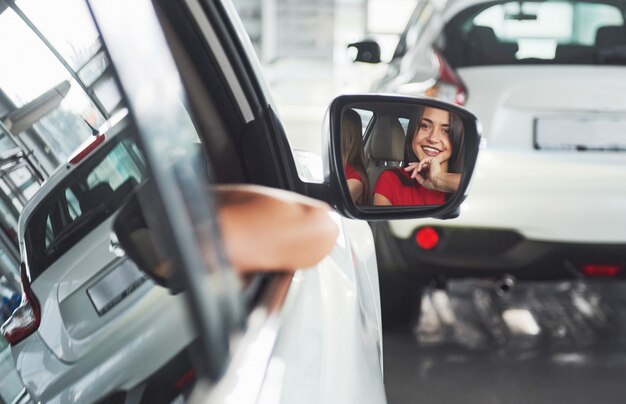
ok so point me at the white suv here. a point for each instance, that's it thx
(547, 80)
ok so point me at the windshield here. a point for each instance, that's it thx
(81, 202)
(551, 32)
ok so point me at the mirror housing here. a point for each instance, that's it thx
(397, 108)
(368, 51)
(135, 229)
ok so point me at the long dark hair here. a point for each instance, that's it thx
(456, 136)
(352, 148)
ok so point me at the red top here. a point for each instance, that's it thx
(353, 174)
(390, 186)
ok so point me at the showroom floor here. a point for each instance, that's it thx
(543, 342)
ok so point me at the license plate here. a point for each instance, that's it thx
(115, 286)
(581, 133)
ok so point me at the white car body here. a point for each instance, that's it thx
(324, 345)
(546, 196)
(76, 356)
(562, 196)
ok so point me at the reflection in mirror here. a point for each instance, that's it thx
(353, 157)
(401, 153)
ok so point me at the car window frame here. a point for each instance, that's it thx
(61, 212)
(133, 36)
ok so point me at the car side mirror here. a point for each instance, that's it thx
(367, 51)
(395, 157)
(135, 227)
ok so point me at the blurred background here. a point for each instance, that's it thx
(302, 46)
(542, 232)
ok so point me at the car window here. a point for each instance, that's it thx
(83, 201)
(421, 16)
(366, 117)
(557, 32)
(71, 53)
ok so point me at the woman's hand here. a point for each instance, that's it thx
(428, 173)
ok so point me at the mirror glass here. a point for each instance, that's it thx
(397, 153)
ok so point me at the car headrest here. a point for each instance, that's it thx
(100, 194)
(387, 139)
(482, 35)
(610, 36)
(485, 39)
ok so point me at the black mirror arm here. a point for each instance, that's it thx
(320, 192)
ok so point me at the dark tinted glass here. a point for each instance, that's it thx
(83, 201)
(558, 32)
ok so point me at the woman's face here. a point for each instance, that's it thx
(431, 138)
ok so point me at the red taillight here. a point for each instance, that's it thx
(184, 380)
(448, 79)
(86, 148)
(427, 238)
(604, 270)
(26, 318)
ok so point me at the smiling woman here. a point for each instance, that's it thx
(433, 161)
(418, 154)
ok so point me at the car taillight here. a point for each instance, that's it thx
(26, 318)
(449, 85)
(602, 270)
(427, 238)
(86, 148)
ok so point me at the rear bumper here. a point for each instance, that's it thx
(471, 252)
(147, 344)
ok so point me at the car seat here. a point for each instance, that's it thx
(485, 48)
(610, 36)
(384, 147)
(574, 54)
(100, 194)
(610, 43)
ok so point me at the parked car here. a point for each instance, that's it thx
(546, 80)
(91, 327)
(84, 306)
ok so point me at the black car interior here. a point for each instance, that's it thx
(465, 44)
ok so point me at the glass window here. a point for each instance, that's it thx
(28, 70)
(72, 204)
(537, 32)
(366, 117)
(77, 41)
(83, 201)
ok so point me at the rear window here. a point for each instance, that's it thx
(83, 201)
(551, 32)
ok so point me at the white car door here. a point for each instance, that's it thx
(309, 337)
